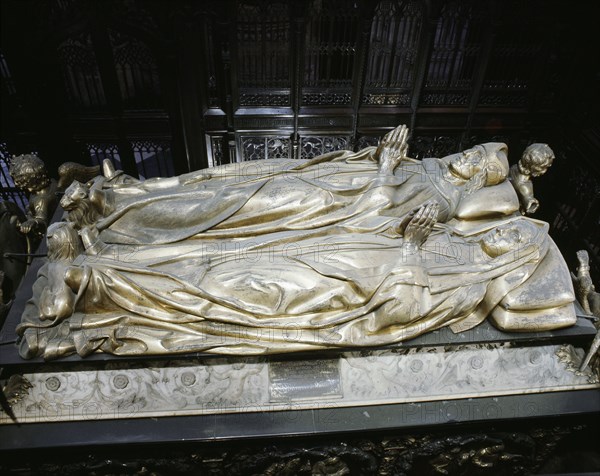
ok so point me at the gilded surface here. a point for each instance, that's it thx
(536, 160)
(30, 175)
(590, 302)
(346, 249)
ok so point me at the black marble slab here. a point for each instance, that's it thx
(328, 420)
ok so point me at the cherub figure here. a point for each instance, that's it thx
(535, 161)
(30, 175)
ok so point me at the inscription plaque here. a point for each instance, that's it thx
(304, 379)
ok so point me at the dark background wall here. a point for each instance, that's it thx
(164, 87)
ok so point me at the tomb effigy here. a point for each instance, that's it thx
(344, 250)
(356, 282)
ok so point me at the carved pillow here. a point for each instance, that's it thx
(498, 200)
(549, 286)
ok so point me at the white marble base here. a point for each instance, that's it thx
(241, 385)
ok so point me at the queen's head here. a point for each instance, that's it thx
(511, 237)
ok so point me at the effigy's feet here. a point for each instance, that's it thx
(91, 240)
(102, 202)
(108, 169)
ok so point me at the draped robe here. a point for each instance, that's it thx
(280, 256)
(255, 198)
